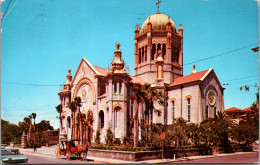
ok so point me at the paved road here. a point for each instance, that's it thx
(34, 159)
(239, 158)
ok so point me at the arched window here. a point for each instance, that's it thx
(188, 106)
(120, 87)
(173, 107)
(207, 112)
(142, 51)
(101, 118)
(139, 54)
(145, 53)
(132, 107)
(117, 117)
(68, 122)
(163, 51)
(177, 55)
(172, 54)
(115, 87)
(153, 52)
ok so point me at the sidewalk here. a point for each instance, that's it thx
(50, 152)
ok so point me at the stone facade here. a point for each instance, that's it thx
(158, 61)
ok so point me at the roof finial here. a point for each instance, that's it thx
(158, 12)
(194, 69)
(117, 45)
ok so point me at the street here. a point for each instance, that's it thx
(252, 157)
(35, 159)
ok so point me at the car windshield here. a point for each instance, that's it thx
(4, 152)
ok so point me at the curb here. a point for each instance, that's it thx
(101, 161)
(203, 157)
(149, 161)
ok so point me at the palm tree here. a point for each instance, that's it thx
(180, 131)
(59, 110)
(78, 105)
(34, 116)
(73, 108)
(30, 127)
(27, 121)
(139, 91)
(151, 95)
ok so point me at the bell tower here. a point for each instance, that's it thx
(158, 33)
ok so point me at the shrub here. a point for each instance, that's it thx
(117, 141)
(97, 138)
(109, 139)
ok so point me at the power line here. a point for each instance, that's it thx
(6, 10)
(221, 54)
(29, 84)
(47, 85)
(8, 13)
(240, 78)
(29, 107)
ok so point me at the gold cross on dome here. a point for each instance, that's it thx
(158, 4)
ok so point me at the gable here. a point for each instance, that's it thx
(211, 75)
(85, 69)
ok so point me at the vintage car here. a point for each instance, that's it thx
(12, 155)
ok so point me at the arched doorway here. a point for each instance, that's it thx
(101, 119)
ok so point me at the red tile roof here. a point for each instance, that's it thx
(232, 109)
(247, 109)
(102, 71)
(137, 80)
(189, 78)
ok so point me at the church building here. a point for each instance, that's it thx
(158, 61)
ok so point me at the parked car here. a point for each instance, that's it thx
(12, 155)
(14, 151)
(3, 146)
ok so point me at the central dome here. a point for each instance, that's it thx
(159, 22)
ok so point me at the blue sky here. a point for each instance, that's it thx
(41, 39)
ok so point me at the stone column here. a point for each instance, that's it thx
(23, 140)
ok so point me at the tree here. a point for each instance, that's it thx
(27, 120)
(97, 138)
(79, 125)
(180, 131)
(109, 139)
(44, 125)
(59, 110)
(138, 89)
(73, 108)
(34, 116)
(216, 130)
(193, 133)
(248, 128)
(10, 132)
(151, 95)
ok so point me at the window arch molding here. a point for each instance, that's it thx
(172, 99)
(188, 97)
(118, 105)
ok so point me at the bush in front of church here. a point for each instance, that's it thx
(109, 139)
